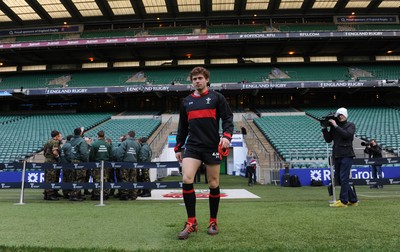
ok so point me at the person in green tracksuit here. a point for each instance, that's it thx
(79, 154)
(101, 151)
(144, 156)
(65, 158)
(128, 151)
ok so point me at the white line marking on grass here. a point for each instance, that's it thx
(380, 194)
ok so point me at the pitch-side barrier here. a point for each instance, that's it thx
(366, 161)
(24, 166)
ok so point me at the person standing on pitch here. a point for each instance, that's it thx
(129, 152)
(198, 130)
(51, 152)
(145, 154)
(65, 158)
(375, 151)
(100, 151)
(79, 154)
(341, 132)
(251, 167)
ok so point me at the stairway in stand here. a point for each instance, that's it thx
(267, 156)
(160, 138)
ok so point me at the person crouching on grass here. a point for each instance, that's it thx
(199, 129)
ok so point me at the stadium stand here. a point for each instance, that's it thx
(306, 27)
(382, 72)
(275, 110)
(212, 29)
(4, 119)
(236, 28)
(295, 138)
(291, 136)
(109, 33)
(138, 113)
(100, 78)
(167, 76)
(25, 135)
(171, 75)
(27, 80)
(380, 123)
(169, 31)
(322, 73)
(382, 27)
(44, 37)
(242, 74)
(116, 127)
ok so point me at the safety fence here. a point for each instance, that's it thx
(376, 161)
(360, 181)
(24, 166)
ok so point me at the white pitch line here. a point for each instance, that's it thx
(374, 195)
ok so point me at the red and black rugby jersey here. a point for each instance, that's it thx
(199, 122)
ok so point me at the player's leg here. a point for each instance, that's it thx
(213, 171)
(190, 166)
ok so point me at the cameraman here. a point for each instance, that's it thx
(375, 151)
(341, 132)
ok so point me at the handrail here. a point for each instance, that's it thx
(258, 141)
(159, 137)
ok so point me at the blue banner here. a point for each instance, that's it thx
(324, 174)
(171, 141)
(92, 165)
(77, 186)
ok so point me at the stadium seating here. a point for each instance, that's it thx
(24, 137)
(236, 29)
(138, 113)
(218, 75)
(294, 138)
(116, 127)
(382, 72)
(235, 75)
(313, 73)
(384, 27)
(43, 37)
(4, 119)
(109, 33)
(168, 75)
(169, 31)
(306, 27)
(275, 110)
(103, 78)
(27, 80)
(380, 123)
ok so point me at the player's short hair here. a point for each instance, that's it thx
(131, 133)
(200, 70)
(55, 133)
(100, 133)
(77, 131)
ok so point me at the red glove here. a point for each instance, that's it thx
(222, 151)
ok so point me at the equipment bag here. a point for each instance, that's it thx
(286, 180)
(295, 181)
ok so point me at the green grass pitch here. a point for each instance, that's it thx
(282, 219)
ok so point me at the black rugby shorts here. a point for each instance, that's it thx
(206, 157)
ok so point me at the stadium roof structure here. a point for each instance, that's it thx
(25, 13)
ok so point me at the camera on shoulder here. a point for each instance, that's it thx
(366, 144)
(325, 119)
